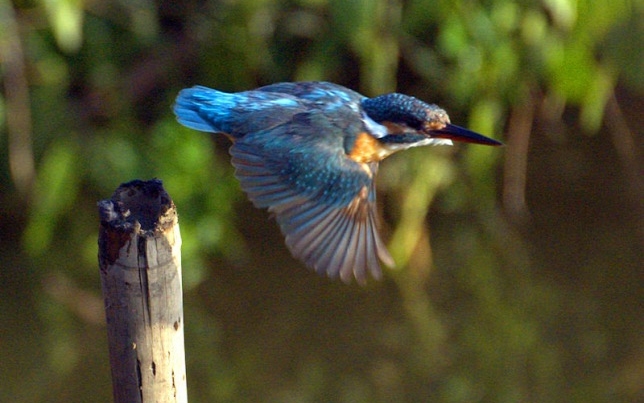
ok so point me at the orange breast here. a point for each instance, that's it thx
(367, 149)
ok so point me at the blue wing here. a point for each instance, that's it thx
(329, 220)
(323, 201)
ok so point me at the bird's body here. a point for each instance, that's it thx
(309, 152)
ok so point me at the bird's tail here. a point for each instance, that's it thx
(236, 114)
(205, 109)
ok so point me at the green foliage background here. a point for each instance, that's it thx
(520, 269)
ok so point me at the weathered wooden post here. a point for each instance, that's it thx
(140, 265)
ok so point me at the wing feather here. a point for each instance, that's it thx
(323, 201)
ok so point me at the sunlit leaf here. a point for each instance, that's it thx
(66, 18)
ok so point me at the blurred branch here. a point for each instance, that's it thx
(18, 111)
(84, 303)
(629, 156)
(410, 246)
(516, 160)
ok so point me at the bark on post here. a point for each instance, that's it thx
(140, 265)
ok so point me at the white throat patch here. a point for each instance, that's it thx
(393, 147)
(375, 129)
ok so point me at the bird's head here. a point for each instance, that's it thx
(410, 122)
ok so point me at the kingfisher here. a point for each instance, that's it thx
(309, 153)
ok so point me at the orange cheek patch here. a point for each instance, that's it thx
(367, 149)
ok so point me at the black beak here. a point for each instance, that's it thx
(458, 133)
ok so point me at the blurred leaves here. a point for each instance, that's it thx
(66, 21)
(537, 305)
(56, 190)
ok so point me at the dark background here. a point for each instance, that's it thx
(519, 272)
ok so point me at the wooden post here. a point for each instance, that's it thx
(140, 263)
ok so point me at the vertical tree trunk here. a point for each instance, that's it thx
(140, 265)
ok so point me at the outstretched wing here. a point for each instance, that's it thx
(323, 201)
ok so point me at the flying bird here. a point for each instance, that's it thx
(309, 153)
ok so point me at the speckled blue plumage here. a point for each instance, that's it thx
(402, 109)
